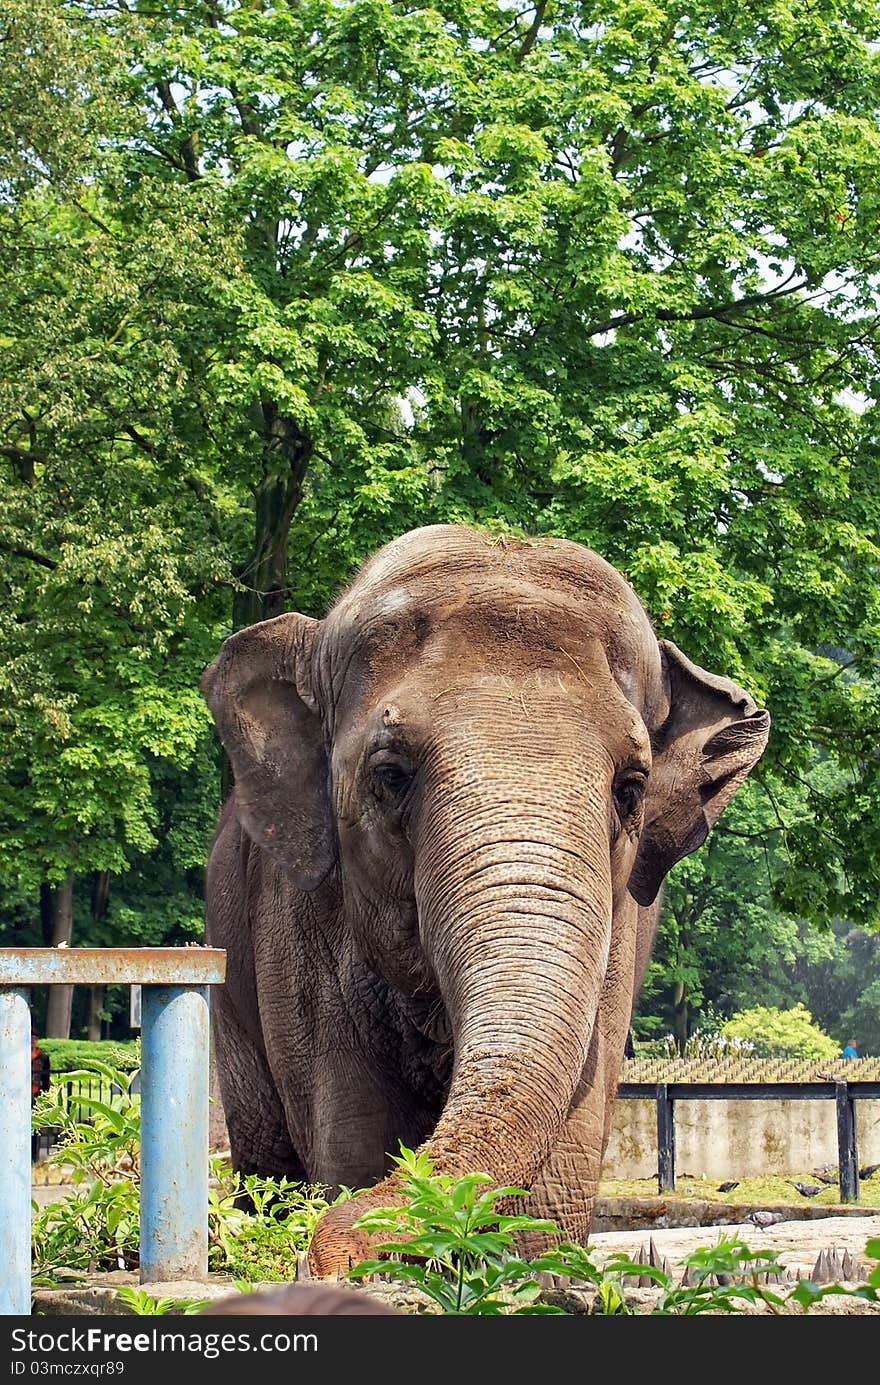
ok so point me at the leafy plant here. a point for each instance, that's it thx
(144, 1304)
(452, 1241)
(96, 1226)
(256, 1226)
(721, 1278)
(736, 1269)
(458, 1244)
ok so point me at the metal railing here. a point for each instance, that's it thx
(174, 1101)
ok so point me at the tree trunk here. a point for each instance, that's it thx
(100, 893)
(277, 495)
(60, 997)
(46, 912)
(96, 1004)
(100, 901)
(680, 1017)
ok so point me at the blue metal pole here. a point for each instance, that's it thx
(174, 1133)
(15, 1151)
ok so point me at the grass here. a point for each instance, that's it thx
(754, 1192)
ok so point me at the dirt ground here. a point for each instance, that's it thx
(798, 1234)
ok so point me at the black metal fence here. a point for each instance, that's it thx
(842, 1092)
(74, 1096)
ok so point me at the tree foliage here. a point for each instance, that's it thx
(724, 944)
(281, 280)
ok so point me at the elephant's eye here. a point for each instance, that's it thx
(629, 792)
(390, 779)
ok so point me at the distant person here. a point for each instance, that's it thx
(850, 1050)
(39, 1083)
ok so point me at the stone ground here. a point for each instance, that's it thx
(44, 1193)
(798, 1242)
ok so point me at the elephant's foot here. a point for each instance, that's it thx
(336, 1244)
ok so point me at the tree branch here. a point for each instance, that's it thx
(715, 310)
(137, 437)
(21, 454)
(530, 39)
(29, 554)
(90, 216)
(187, 146)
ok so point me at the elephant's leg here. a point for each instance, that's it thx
(565, 1187)
(360, 1117)
(259, 1138)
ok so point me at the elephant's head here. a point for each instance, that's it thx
(487, 741)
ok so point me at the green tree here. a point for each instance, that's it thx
(654, 310)
(110, 555)
(844, 990)
(294, 277)
(781, 1033)
(723, 943)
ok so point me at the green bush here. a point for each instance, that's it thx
(67, 1054)
(95, 1227)
(781, 1033)
(257, 1227)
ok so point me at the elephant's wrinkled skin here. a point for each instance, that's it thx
(437, 876)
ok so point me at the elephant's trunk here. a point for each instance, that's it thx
(515, 909)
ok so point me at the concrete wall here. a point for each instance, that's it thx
(737, 1139)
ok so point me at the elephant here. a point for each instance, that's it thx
(438, 874)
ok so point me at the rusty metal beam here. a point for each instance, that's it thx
(111, 966)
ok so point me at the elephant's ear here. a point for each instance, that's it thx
(714, 734)
(259, 689)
